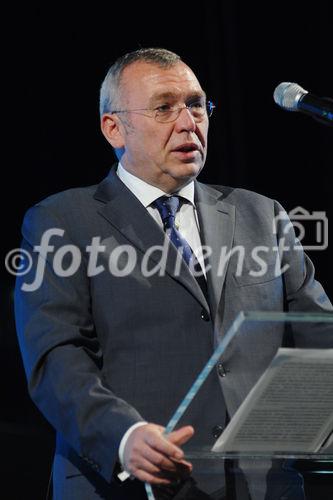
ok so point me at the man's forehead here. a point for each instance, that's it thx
(151, 79)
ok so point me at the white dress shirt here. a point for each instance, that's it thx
(186, 221)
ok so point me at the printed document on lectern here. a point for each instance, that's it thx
(290, 409)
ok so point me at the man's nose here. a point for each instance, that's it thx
(185, 121)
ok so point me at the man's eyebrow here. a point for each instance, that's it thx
(172, 95)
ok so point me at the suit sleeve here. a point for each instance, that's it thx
(303, 293)
(62, 357)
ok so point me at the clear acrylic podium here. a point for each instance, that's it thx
(269, 466)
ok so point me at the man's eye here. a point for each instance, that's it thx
(164, 108)
(196, 104)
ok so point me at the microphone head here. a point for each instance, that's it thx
(287, 95)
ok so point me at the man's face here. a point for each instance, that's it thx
(166, 155)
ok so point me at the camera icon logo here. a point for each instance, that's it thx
(311, 228)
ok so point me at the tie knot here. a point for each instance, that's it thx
(167, 207)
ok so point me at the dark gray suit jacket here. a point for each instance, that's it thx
(103, 352)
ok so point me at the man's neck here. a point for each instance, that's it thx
(165, 183)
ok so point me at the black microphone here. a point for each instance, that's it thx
(292, 97)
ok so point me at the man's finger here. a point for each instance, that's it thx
(158, 459)
(162, 444)
(181, 436)
(150, 478)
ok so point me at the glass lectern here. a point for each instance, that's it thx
(276, 442)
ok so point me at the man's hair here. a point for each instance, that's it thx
(109, 94)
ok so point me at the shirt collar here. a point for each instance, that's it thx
(146, 193)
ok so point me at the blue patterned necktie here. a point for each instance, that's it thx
(167, 207)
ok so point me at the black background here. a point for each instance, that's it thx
(55, 59)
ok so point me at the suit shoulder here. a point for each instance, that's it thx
(68, 197)
(72, 199)
(240, 196)
(73, 204)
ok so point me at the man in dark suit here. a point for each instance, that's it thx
(122, 308)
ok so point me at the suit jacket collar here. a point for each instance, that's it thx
(217, 226)
(216, 218)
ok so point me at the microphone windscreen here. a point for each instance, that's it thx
(288, 94)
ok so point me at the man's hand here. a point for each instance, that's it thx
(154, 458)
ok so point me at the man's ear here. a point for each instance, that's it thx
(112, 130)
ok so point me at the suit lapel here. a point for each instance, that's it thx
(124, 211)
(217, 225)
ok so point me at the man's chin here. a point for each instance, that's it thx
(187, 170)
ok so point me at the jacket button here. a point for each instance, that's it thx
(217, 431)
(221, 370)
(204, 315)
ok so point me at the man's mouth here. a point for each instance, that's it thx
(188, 147)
